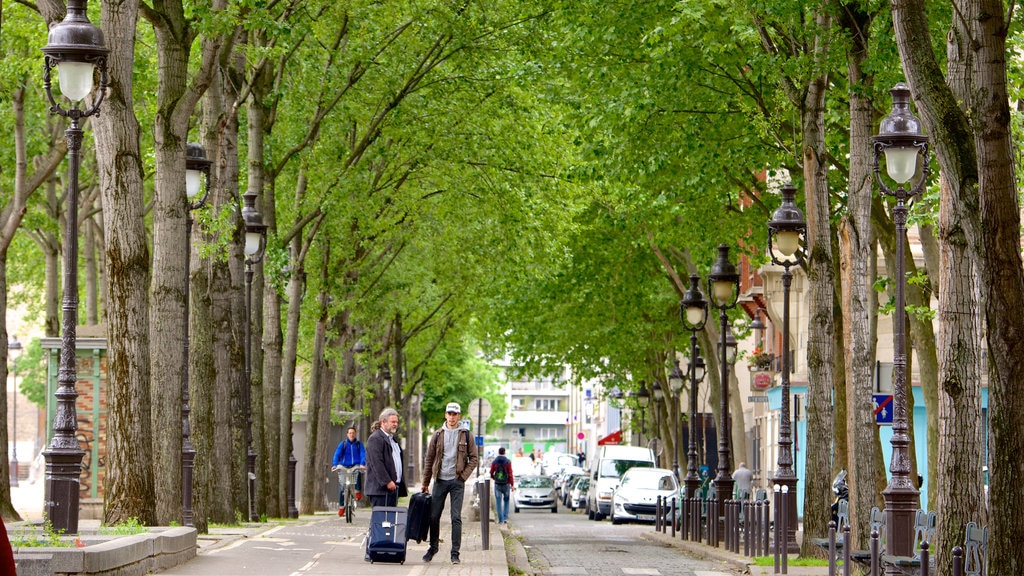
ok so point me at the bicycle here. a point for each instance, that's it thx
(348, 477)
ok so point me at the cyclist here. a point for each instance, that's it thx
(350, 454)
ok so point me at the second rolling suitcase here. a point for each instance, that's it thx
(418, 525)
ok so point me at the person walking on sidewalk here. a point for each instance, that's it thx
(451, 459)
(504, 483)
(384, 482)
(349, 454)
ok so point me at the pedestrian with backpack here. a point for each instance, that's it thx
(501, 473)
(451, 459)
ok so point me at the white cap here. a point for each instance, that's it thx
(453, 407)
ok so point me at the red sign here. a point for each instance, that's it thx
(761, 380)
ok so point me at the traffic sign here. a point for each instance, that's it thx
(883, 408)
(479, 409)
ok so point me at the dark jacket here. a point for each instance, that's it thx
(502, 461)
(465, 462)
(380, 466)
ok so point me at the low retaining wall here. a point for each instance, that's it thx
(134, 555)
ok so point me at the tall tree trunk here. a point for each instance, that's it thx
(129, 490)
(855, 251)
(974, 151)
(311, 479)
(821, 276)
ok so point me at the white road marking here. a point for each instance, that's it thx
(650, 571)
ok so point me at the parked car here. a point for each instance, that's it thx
(535, 492)
(567, 473)
(607, 467)
(578, 494)
(636, 498)
(566, 488)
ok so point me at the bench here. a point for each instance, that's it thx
(877, 525)
(924, 531)
(976, 550)
(842, 521)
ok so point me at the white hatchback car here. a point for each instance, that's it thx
(636, 498)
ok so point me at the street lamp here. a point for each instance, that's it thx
(196, 166)
(901, 140)
(75, 47)
(786, 231)
(643, 398)
(693, 310)
(724, 288)
(14, 349)
(255, 243)
(675, 384)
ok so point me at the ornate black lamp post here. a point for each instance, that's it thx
(643, 398)
(14, 349)
(77, 49)
(693, 309)
(901, 140)
(724, 288)
(196, 166)
(675, 384)
(786, 232)
(255, 243)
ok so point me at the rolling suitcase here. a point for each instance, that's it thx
(418, 526)
(386, 542)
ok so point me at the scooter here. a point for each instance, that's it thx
(842, 493)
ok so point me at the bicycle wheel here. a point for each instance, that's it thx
(350, 503)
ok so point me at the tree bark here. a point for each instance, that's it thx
(129, 490)
(311, 479)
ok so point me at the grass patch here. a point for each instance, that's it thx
(798, 561)
(124, 528)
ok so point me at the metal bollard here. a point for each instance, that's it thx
(672, 515)
(958, 561)
(831, 548)
(846, 550)
(924, 558)
(785, 530)
(776, 491)
(485, 512)
(657, 514)
(874, 552)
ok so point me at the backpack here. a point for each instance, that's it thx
(500, 474)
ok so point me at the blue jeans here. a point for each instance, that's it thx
(442, 488)
(502, 493)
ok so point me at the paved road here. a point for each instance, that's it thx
(568, 544)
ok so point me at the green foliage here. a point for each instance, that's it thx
(124, 528)
(29, 537)
(32, 372)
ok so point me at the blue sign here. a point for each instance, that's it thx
(883, 408)
(479, 441)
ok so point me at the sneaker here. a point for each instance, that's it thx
(429, 556)
(455, 559)
(341, 511)
(359, 495)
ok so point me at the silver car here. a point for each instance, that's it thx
(535, 492)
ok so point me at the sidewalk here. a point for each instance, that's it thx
(226, 542)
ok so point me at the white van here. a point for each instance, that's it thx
(610, 463)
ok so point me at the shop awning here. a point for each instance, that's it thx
(613, 438)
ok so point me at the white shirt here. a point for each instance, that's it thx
(396, 453)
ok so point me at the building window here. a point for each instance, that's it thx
(545, 404)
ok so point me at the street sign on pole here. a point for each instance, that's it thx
(883, 408)
(480, 409)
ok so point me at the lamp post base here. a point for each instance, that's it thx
(293, 512)
(901, 504)
(723, 488)
(61, 496)
(692, 484)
